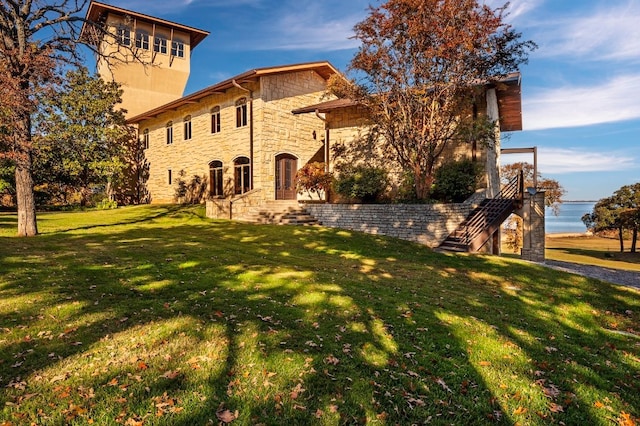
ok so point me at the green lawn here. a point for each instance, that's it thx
(592, 250)
(158, 316)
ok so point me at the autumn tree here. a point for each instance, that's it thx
(81, 136)
(553, 193)
(417, 70)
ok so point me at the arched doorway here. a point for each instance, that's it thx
(215, 179)
(242, 175)
(286, 168)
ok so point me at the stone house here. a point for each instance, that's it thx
(243, 139)
(239, 134)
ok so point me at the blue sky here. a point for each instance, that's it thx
(580, 90)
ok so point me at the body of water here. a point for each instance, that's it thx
(569, 218)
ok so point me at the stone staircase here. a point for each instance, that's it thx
(279, 212)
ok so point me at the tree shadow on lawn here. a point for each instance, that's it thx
(318, 327)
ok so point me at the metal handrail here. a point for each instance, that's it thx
(481, 220)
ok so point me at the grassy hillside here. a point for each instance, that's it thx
(157, 316)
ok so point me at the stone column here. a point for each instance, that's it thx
(493, 146)
(533, 238)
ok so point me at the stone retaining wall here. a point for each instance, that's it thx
(427, 224)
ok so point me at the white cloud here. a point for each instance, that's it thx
(608, 34)
(571, 160)
(572, 106)
(321, 26)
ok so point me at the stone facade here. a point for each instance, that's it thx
(270, 123)
(427, 224)
(533, 218)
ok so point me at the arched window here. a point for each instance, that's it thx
(215, 119)
(242, 175)
(241, 112)
(216, 188)
(169, 128)
(145, 139)
(187, 128)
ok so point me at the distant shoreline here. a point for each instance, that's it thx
(568, 234)
(580, 201)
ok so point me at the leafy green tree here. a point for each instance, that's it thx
(38, 39)
(417, 66)
(618, 212)
(82, 137)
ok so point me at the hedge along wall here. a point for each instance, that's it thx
(427, 224)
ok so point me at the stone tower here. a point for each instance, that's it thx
(148, 56)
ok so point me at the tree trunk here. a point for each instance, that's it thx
(620, 236)
(27, 225)
(634, 239)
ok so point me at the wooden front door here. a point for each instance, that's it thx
(286, 167)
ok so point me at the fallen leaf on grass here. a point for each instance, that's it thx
(519, 410)
(556, 408)
(226, 416)
(626, 420)
(441, 382)
(171, 374)
(332, 360)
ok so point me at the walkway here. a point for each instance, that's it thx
(616, 276)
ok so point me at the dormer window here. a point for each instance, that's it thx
(160, 45)
(177, 48)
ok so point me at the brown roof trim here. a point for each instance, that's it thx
(507, 90)
(327, 106)
(324, 69)
(97, 10)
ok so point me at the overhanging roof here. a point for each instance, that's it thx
(507, 90)
(98, 12)
(324, 69)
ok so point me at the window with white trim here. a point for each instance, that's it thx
(142, 40)
(241, 112)
(123, 35)
(160, 45)
(215, 119)
(177, 48)
(187, 128)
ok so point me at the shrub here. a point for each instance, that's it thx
(106, 204)
(361, 182)
(313, 178)
(457, 180)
